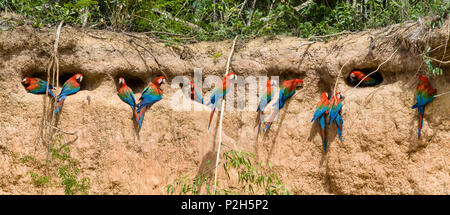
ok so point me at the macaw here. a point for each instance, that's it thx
(71, 86)
(37, 86)
(356, 76)
(287, 90)
(335, 112)
(320, 113)
(126, 94)
(195, 93)
(221, 89)
(150, 95)
(265, 99)
(424, 94)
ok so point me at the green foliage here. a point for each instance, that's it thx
(216, 56)
(27, 159)
(67, 170)
(252, 178)
(185, 185)
(251, 174)
(51, 12)
(441, 12)
(39, 180)
(63, 170)
(430, 68)
(193, 20)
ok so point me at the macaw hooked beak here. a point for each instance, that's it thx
(274, 83)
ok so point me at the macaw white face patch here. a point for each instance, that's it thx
(79, 78)
(273, 83)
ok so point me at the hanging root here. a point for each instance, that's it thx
(53, 72)
(221, 114)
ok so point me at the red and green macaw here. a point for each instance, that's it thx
(265, 99)
(424, 94)
(195, 93)
(335, 112)
(150, 95)
(287, 90)
(37, 86)
(320, 113)
(356, 76)
(221, 89)
(70, 87)
(126, 94)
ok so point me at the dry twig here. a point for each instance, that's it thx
(442, 94)
(62, 131)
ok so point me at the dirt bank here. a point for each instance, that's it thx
(380, 153)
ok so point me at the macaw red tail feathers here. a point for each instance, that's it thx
(59, 105)
(138, 109)
(421, 110)
(211, 117)
(140, 115)
(259, 119)
(420, 123)
(272, 117)
(324, 143)
(322, 129)
(339, 123)
(136, 114)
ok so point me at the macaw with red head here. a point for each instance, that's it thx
(335, 112)
(221, 89)
(126, 93)
(265, 99)
(424, 94)
(287, 90)
(356, 76)
(71, 86)
(195, 93)
(150, 95)
(37, 86)
(321, 113)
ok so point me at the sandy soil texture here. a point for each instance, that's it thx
(380, 153)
